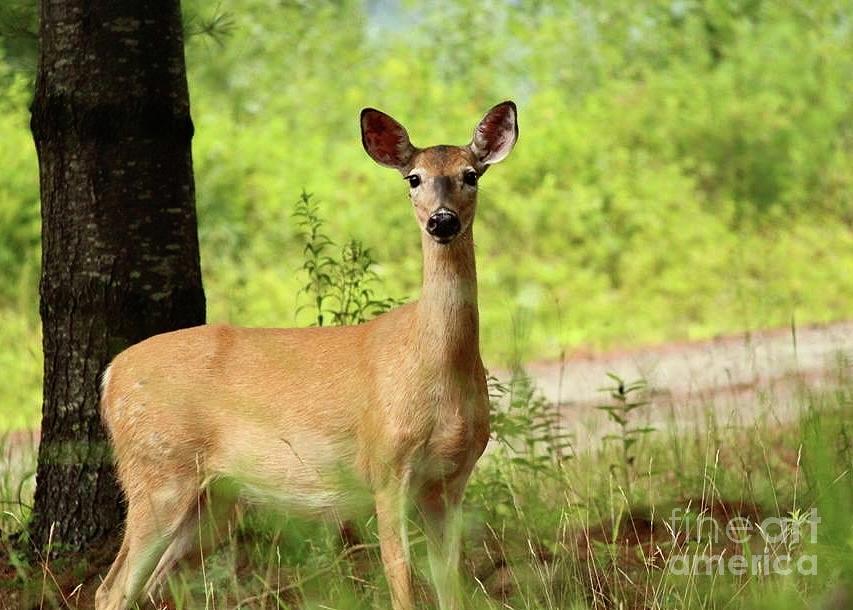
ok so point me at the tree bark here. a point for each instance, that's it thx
(120, 260)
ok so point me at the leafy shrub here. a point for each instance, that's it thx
(341, 287)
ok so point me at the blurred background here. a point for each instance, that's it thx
(683, 169)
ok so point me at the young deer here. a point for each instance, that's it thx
(330, 421)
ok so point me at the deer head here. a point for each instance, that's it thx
(442, 179)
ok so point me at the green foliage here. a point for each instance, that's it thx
(20, 354)
(340, 287)
(527, 426)
(21, 363)
(621, 412)
(19, 35)
(683, 168)
(316, 264)
(19, 207)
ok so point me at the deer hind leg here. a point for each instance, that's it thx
(198, 534)
(151, 525)
(103, 593)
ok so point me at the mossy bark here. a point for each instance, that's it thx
(120, 261)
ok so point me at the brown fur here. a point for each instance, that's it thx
(327, 421)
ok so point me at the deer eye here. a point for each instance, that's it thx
(414, 180)
(470, 178)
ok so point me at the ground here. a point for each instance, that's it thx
(728, 373)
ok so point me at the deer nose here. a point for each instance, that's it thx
(443, 225)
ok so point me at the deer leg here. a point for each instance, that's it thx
(149, 530)
(439, 508)
(123, 584)
(182, 543)
(200, 530)
(117, 567)
(394, 546)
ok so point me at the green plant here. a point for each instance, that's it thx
(353, 278)
(341, 289)
(620, 411)
(316, 263)
(527, 425)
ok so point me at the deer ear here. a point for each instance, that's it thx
(496, 134)
(385, 140)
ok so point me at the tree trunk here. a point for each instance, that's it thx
(120, 260)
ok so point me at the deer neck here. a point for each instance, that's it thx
(448, 320)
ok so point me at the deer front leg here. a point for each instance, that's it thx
(394, 545)
(442, 520)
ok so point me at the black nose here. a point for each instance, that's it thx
(443, 225)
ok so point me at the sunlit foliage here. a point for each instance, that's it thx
(683, 168)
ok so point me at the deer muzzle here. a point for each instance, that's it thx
(443, 225)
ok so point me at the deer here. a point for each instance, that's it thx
(333, 422)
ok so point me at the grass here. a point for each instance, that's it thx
(551, 525)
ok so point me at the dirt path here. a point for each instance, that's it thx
(738, 379)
